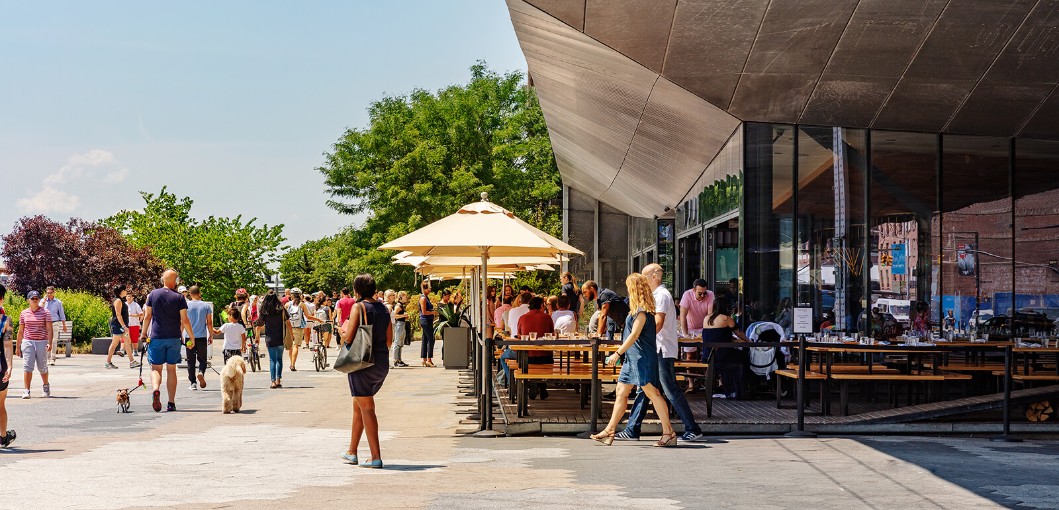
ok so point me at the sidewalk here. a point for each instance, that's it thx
(282, 451)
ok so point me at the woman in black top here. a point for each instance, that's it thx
(273, 318)
(365, 383)
(426, 323)
(119, 328)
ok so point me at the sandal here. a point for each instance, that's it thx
(606, 437)
(667, 440)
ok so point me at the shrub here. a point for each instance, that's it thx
(89, 312)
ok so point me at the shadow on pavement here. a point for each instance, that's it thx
(412, 467)
(14, 450)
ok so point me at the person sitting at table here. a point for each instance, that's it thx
(719, 327)
(563, 318)
(518, 309)
(500, 312)
(536, 321)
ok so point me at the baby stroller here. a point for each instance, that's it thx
(768, 357)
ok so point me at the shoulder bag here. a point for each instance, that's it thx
(288, 333)
(356, 354)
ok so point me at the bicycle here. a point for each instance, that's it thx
(252, 351)
(319, 354)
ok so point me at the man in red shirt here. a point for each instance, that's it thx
(536, 321)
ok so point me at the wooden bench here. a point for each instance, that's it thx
(789, 373)
(930, 377)
(578, 373)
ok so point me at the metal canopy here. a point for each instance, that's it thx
(638, 93)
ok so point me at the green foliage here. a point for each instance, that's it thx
(89, 312)
(218, 254)
(425, 154)
(720, 197)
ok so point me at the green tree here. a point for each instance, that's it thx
(219, 254)
(425, 154)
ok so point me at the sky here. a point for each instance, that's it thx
(230, 103)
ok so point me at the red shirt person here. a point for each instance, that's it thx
(344, 306)
(536, 321)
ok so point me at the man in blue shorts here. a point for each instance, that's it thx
(166, 314)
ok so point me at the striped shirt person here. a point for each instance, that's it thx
(34, 334)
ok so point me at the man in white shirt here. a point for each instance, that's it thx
(516, 313)
(135, 314)
(564, 319)
(666, 343)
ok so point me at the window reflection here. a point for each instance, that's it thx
(1037, 236)
(767, 220)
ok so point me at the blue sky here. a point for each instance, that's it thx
(231, 103)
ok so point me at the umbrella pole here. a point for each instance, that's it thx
(486, 365)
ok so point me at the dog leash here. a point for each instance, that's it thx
(139, 382)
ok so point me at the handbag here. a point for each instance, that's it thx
(356, 355)
(288, 333)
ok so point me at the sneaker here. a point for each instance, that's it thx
(157, 402)
(25, 394)
(691, 436)
(134, 364)
(47, 390)
(170, 407)
(720, 395)
(202, 380)
(193, 387)
(7, 439)
(110, 365)
(625, 435)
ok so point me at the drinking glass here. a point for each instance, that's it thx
(533, 335)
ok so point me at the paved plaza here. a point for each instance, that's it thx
(75, 451)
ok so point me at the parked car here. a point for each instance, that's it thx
(1025, 323)
(978, 316)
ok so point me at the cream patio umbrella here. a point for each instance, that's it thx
(486, 230)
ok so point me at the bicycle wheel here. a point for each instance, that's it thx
(317, 361)
(323, 352)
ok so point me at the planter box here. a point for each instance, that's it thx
(100, 345)
(456, 347)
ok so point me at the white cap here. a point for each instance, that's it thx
(182, 289)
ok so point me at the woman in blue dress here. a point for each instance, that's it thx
(641, 362)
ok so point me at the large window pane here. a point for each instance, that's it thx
(977, 230)
(1037, 233)
(904, 187)
(766, 224)
(831, 223)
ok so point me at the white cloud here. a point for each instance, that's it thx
(52, 199)
(49, 200)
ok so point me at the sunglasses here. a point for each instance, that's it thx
(34, 299)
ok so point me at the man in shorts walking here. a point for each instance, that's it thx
(34, 341)
(165, 314)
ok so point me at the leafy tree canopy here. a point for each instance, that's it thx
(423, 155)
(218, 254)
(77, 255)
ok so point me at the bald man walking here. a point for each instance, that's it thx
(166, 314)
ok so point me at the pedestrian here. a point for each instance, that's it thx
(640, 367)
(310, 313)
(6, 362)
(286, 297)
(135, 318)
(400, 328)
(234, 334)
(200, 314)
(273, 320)
(719, 327)
(58, 314)
(119, 328)
(324, 312)
(34, 332)
(299, 317)
(365, 383)
(611, 306)
(667, 349)
(183, 292)
(343, 306)
(166, 314)
(426, 323)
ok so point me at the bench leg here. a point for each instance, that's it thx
(844, 398)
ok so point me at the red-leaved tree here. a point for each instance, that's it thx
(77, 255)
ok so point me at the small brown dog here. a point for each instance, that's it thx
(232, 384)
(123, 400)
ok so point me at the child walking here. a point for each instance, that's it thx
(234, 334)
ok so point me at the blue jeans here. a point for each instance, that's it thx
(507, 354)
(275, 362)
(674, 394)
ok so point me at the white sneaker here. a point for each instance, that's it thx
(47, 390)
(193, 387)
(25, 394)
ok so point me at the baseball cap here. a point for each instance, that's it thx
(295, 290)
(33, 294)
(182, 289)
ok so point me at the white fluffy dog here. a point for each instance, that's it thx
(232, 384)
